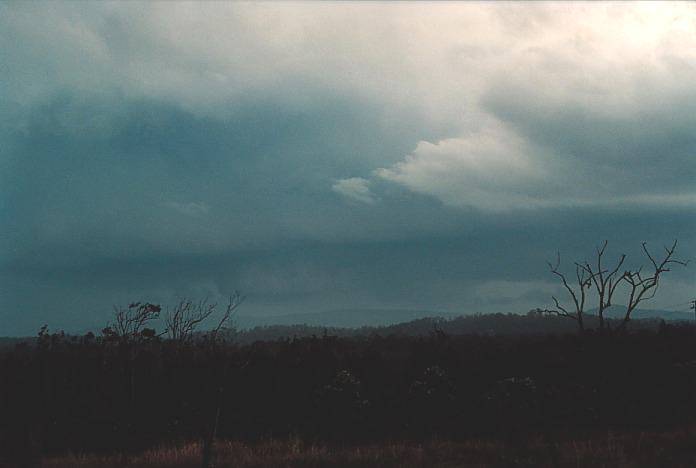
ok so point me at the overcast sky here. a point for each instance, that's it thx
(318, 156)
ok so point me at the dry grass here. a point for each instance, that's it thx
(643, 450)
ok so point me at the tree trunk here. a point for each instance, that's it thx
(209, 439)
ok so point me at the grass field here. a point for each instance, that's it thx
(639, 450)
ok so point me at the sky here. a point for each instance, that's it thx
(319, 156)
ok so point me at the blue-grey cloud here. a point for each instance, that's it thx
(323, 156)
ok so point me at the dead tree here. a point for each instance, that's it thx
(604, 280)
(130, 322)
(576, 293)
(211, 433)
(234, 301)
(128, 329)
(184, 318)
(641, 287)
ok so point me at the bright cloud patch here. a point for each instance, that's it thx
(499, 171)
(492, 169)
(355, 189)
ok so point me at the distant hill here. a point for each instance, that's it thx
(366, 322)
(356, 318)
(480, 325)
(618, 312)
(340, 318)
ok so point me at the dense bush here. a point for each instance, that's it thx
(89, 393)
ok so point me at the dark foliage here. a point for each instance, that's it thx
(64, 394)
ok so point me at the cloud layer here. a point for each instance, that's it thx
(323, 155)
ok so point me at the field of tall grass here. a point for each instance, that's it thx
(624, 451)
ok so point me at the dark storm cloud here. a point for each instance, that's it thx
(321, 157)
(650, 149)
(157, 174)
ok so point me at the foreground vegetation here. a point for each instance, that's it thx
(497, 400)
(637, 450)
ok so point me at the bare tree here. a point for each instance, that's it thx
(130, 322)
(128, 326)
(210, 435)
(234, 301)
(604, 280)
(184, 318)
(643, 288)
(576, 293)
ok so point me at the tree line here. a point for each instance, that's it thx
(96, 394)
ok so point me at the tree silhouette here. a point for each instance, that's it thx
(576, 293)
(643, 288)
(606, 281)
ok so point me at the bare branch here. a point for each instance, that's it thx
(130, 322)
(561, 311)
(577, 296)
(235, 300)
(603, 279)
(185, 317)
(644, 288)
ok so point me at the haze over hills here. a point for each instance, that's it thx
(618, 311)
(341, 318)
(355, 318)
(352, 321)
